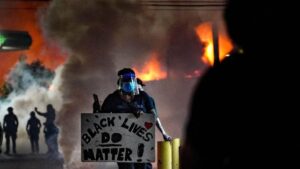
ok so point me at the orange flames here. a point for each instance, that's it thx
(204, 33)
(152, 69)
(23, 16)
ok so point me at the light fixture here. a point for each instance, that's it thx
(14, 40)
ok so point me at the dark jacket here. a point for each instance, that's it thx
(115, 104)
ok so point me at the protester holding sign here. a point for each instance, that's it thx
(117, 137)
(128, 100)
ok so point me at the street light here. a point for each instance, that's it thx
(14, 40)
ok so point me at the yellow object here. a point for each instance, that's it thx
(168, 154)
(164, 153)
(175, 153)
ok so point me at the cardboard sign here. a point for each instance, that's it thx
(117, 137)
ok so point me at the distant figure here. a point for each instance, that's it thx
(49, 115)
(96, 104)
(244, 113)
(50, 130)
(33, 130)
(1, 138)
(10, 126)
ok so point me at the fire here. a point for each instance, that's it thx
(204, 33)
(152, 69)
(20, 18)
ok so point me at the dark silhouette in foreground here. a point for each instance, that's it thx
(243, 112)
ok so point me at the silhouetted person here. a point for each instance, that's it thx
(50, 130)
(10, 126)
(244, 111)
(51, 136)
(1, 138)
(126, 99)
(33, 129)
(49, 114)
(96, 104)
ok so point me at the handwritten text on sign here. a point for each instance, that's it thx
(119, 137)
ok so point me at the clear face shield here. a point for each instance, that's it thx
(128, 84)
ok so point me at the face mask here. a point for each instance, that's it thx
(128, 87)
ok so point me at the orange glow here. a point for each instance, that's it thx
(152, 69)
(23, 16)
(195, 74)
(204, 33)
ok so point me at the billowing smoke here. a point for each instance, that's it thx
(28, 86)
(23, 15)
(103, 36)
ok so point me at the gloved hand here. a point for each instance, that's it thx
(167, 137)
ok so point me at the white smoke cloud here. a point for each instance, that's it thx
(29, 93)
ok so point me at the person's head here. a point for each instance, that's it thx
(127, 83)
(32, 114)
(141, 84)
(254, 25)
(225, 141)
(50, 107)
(10, 110)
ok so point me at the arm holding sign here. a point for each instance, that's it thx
(161, 129)
(151, 105)
(135, 110)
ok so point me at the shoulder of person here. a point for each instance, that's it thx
(144, 94)
(111, 96)
(114, 94)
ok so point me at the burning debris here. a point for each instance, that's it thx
(205, 35)
(152, 69)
